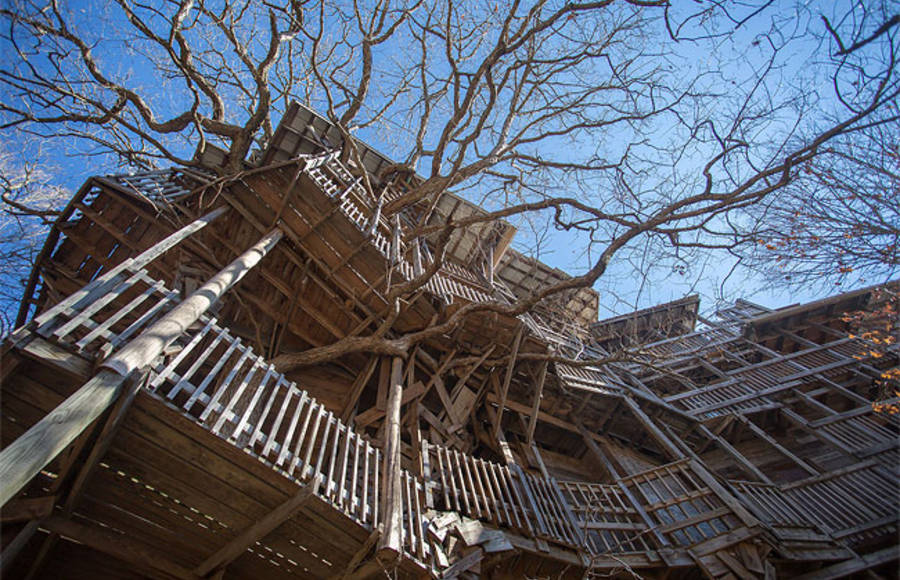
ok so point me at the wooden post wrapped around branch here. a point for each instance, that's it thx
(147, 346)
(391, 542)
(31, 452)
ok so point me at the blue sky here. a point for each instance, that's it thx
(731, 66)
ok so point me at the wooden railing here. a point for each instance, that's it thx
(852, 505)
(507, 497)
(608, 520)
(451, 281)
(217, 381)
(242, 399)
(861, 430)
(747, 388)
(683, 509)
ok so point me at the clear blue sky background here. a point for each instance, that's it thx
(621, 289)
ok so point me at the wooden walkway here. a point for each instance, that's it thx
(218, 440)
(226, 462)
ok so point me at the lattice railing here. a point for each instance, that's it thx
(220, 383)
(507, 497)
(684, 509)
(608, 520)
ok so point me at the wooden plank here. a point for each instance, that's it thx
(371, 415)
(117, 545)
(779, 447)
(664, 442)
(390, 545)
(356, 389)
(745, 463)
(99, 287)
(141, 351)
(504, 390)
(536, 404)
(258, 530)
(49, 353)
(21, 460)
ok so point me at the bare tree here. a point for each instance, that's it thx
(29, 203)
(839, 219)
(597, 117)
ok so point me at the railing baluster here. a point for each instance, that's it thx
(201, 388)
(198, 362)
(210, 407)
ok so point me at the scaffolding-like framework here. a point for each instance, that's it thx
(156, 422)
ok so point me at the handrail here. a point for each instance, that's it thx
(223, 385)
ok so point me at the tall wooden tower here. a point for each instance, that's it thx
(171, 407)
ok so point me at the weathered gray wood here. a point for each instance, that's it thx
(49, 353)
(501, 402)
(141, 351)
(356, 390)
(536, 404)
(390, 544)
(745, 463)
(260, 529)
(670, 448)
(778, 446)
(33, 450)
(100, 286)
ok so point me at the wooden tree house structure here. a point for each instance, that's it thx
(148, 429)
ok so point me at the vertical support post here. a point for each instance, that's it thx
(390, 544)
(490, 265)
(417, 257)
(509, 373)
(536, 404)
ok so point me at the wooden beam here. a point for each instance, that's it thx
(745, 463)
(598, 453)
(12, 549)
(504, 390)
(780, 448)
(373, 414)
(107, 432)
(505, 448)
(141, 351)
(101, 285)
(58, 357)
(457, 389)
(356, 390)
(391, 542)
(360, 555)
(27, 508)
(858, 564)
(24, 458)
(258, 530)
(118, 546)
(661, 439)
(536, 405)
